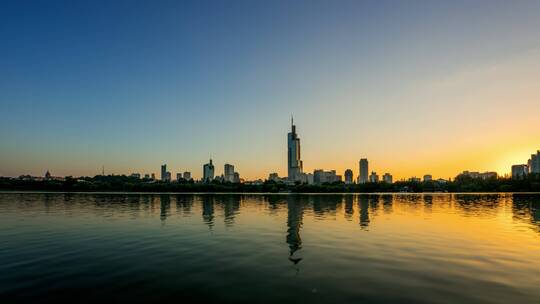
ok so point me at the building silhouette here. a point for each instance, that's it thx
(294, 162)
(228, 173)
(519, 171)
(348, 176)
(373, 177)
(321, 177)
(208, 172)
(163, 172)
(363, 171)
(534, 163)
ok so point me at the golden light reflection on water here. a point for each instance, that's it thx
(445, 242)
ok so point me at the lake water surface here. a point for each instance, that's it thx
(440, 248)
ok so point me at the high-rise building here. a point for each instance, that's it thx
(348, 176)
(187, 175)
(519, 171)
(178, 176)
(294, 163)
(153, 176)
(387, 178)
(236, 177)
(228, 173)
(534, 163)
(363, 171)
(164, 172)
(428, 178)
(208, 172)
(373, 177)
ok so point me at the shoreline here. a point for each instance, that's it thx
(255, 193)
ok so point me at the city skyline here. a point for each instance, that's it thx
(131, 86)
(320, 176)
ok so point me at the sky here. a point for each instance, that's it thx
(416, 87)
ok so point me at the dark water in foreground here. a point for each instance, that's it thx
(446, 248)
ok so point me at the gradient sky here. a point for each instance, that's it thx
(415, 86)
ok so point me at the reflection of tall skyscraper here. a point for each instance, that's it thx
(295, 212)
(294, 163)
(349, 207)
(363, 168)
(165, 206)
(363, 204)
(208, 172)
(208, 210)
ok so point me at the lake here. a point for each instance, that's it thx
(250, 248)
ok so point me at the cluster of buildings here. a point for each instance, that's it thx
(166, 176)
(320, 176)
(296, 173)
(532, 167)
(229, 175)
(480, 175)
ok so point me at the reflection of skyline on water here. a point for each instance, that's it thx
(524, 207)
(363, 209)
(266, 238)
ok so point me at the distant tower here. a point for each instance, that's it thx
(164, 172)
(47, 175)
(363, 176)
(294, 163)
(348, 176)
(228, 173)
(208, 172)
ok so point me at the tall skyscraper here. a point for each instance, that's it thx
(187, 175)
(164, 172)
(363, 175)
(208, 172)
(294, 163)
(348, 176)
(534, 163)
(228, 173)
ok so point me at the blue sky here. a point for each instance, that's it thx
(134, 84)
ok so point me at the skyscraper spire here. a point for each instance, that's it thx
(294, 162)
